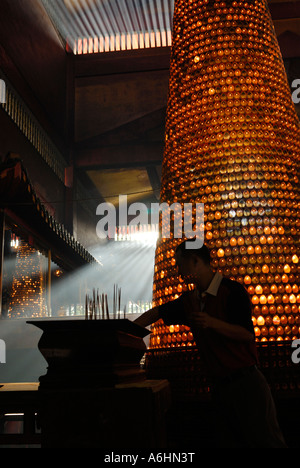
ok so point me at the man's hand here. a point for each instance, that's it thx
(233, 331)
(191, 303)
(148, 317)
(202, 319)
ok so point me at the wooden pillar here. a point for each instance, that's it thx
(2, 237)
(70, 176)
(49, 283)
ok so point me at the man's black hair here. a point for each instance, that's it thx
(203, 252)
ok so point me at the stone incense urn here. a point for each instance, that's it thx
(91, 353)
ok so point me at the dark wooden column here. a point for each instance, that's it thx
(2, 237)
(70, 177)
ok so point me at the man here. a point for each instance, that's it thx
(218, 312)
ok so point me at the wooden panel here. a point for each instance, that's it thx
(116, 100)
(34, 59)
(122, 62)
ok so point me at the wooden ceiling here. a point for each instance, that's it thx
(106, 110)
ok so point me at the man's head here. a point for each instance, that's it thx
(193, 264)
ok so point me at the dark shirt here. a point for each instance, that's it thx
(228, 302)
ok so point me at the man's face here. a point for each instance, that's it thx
(190, 267)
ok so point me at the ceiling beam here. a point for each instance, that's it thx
(129, 61)
(120, 156)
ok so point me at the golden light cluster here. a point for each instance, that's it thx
(28, 286)
(232, 142)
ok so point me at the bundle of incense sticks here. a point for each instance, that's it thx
(97, 306)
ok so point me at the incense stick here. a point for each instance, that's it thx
(119, 303)
(98, 302)
(106, 306)
(114, 301)
(97, 306)
(102, 303)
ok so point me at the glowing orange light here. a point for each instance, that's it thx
(263, 299)
(260, 321)
(28, 286)
(271, 299)
(276, 320)
(292, 299)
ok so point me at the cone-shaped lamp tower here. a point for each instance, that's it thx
(232, 142)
